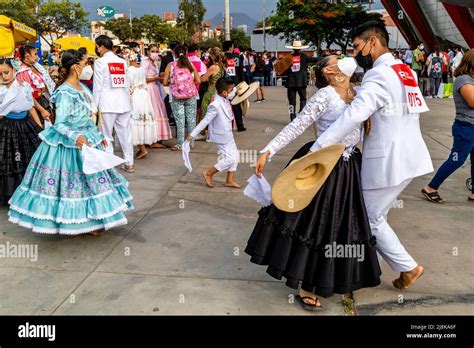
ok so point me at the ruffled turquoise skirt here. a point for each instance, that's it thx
(55, 195)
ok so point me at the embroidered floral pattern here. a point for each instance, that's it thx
(65, 184)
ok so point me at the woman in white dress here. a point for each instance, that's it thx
(293, 245)
(143, 120)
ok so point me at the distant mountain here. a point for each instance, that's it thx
(237, 19)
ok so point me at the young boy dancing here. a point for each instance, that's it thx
(219, 118)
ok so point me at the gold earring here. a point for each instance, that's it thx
(340, 78)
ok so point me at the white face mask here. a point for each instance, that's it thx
(86, 73)
(421, 47)
(347, 65)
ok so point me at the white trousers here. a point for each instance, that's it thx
(121, 124)
(378, 203)
(228, 157)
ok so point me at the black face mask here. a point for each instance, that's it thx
(365, 62)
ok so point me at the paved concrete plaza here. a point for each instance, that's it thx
(183, 249)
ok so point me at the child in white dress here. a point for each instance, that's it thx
(143, 122)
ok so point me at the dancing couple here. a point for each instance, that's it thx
(351, 201)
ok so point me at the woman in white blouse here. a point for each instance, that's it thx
(294, 245)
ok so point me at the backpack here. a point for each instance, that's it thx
(183, 86)
(436, 67)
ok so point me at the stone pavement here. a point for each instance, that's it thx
(183, 249)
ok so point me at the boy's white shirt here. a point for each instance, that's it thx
(218, 118)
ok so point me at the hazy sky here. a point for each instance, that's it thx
(253, 8)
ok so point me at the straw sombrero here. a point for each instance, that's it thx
(298, 183)
(245, 107)
(297, 45)
(244, 91)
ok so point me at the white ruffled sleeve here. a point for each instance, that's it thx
(316, 106)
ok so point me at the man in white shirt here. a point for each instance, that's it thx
(112, 97)
(408, 57)
(457, 58)
(394, 151)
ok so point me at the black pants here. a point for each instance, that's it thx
(237, 110)
(266, 78)
(291, 92)
(169, 111)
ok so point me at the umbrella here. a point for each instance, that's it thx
(13, 32)
(76, 42)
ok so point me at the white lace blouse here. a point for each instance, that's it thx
(324, 107)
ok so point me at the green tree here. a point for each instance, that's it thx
(345, 19)
(316, 22)
(158, 31)
(190, 15)
(238, 37)
(56, 18)
(23, 11)
(120, 27)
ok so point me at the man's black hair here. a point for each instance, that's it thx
(173, 45)
(227, 45)
(193, 48)
(368, 29)
(105, 41)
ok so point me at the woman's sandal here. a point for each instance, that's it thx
(309, 306)
(176, 148)
(433, 197)
(158, 146)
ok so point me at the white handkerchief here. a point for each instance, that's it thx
(97, 161)
(186, 147)
(259, 190)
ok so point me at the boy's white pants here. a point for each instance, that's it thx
(228, 157)
(378, 202)
(121, 124)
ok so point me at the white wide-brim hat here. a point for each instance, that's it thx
(297, 45)
(244, 91)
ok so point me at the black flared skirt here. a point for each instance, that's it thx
(18, 142)
(325, 248)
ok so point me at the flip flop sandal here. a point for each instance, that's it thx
(433, 197)
(307, 306)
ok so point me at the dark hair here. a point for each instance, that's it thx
(83, 50)
(132, 44)
(105, 41)
(183, 61)
(377, 28)
(193, 48)
(173, 45)
(70, 58)
(222, 84)
(321, 81)
(7, 61)
(26, 49)
(227, 45)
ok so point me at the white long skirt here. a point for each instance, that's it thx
(143, 120)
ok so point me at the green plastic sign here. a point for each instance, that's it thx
(105, 11)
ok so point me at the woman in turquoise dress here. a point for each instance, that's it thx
(55, 196)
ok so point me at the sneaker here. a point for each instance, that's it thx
(259, 101)
(243, 129)
(128, 169)
(429, 97)
(263, 99)
(256, 101)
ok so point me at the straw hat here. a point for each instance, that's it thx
(298, 183)
(244, 91)
(297, 45)
(245, 106)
